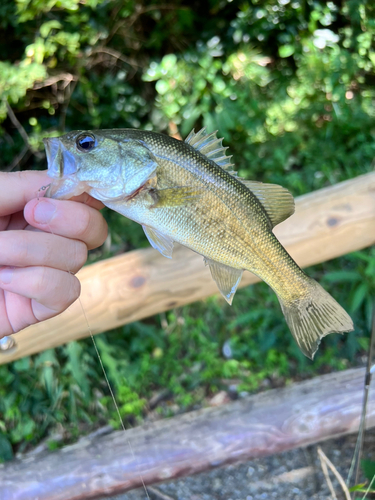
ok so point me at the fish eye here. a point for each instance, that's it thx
(85, 142)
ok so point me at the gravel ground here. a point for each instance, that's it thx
(291, 475)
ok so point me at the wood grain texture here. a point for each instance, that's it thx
(327, 223)
(260, 425)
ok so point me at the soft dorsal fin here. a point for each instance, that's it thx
(210, 146)
(276, 200)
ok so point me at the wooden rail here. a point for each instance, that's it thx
(260, 425)
(327, 223)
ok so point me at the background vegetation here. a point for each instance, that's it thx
(290, 86)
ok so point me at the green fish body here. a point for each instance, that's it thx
(187, 192)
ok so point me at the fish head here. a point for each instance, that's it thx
(105, 165)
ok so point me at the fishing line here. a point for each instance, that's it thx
(357, 456)
(110, 389)
(102, 367)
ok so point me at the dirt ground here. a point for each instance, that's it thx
(292, 475)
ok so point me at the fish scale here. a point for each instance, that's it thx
(187, 192)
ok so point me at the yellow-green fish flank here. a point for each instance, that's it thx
(187, 192)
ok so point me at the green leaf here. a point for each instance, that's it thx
(359, 296)
(342, 276)
(286, 50)
(46, 28)
(74, 352)
(169, 62)
(368, 467)
(6, 451)
(358, 487)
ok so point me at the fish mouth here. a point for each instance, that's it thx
(62, 167)
(52, 146)
(59, 160)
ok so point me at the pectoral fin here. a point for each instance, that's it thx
(159, 241)
(227, 278)
(175, 196)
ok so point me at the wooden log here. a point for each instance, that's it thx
(260, 425)
(327, 223)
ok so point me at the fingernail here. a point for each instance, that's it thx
(6, 275)
(44, 211)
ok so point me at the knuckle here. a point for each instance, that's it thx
(74, 290)
(21, 177)
(80, 257)
(68, 292)
(104, 232)
(100, 233)
(84, 224)
(58, 290)
(19, 247)
(91, 227)
(40, 282)
(48, 250)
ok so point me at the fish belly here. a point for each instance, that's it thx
(217, 234)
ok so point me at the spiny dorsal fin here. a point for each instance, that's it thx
(210, 146)
(276, 200)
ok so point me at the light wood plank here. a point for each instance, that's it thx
(327, 223)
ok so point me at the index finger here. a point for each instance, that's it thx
(17, 188)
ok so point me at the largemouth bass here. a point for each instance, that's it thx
(187, 192)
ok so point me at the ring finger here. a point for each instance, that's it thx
(44, 286)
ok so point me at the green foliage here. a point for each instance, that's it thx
(319, 107)
(290, 87)
(14, 81)
(368, 469)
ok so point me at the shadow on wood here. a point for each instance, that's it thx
(327, 223)
(260, 425)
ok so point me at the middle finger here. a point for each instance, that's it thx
(36, 248)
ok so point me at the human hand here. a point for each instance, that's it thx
(43, 243)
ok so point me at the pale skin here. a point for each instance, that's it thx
(43, 244)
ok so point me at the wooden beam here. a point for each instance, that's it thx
(260, 425)
(327, 223)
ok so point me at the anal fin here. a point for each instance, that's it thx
(159, 241)
(227, 278)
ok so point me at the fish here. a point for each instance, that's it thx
(188, 192)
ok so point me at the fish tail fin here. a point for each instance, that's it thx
(313, 316)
